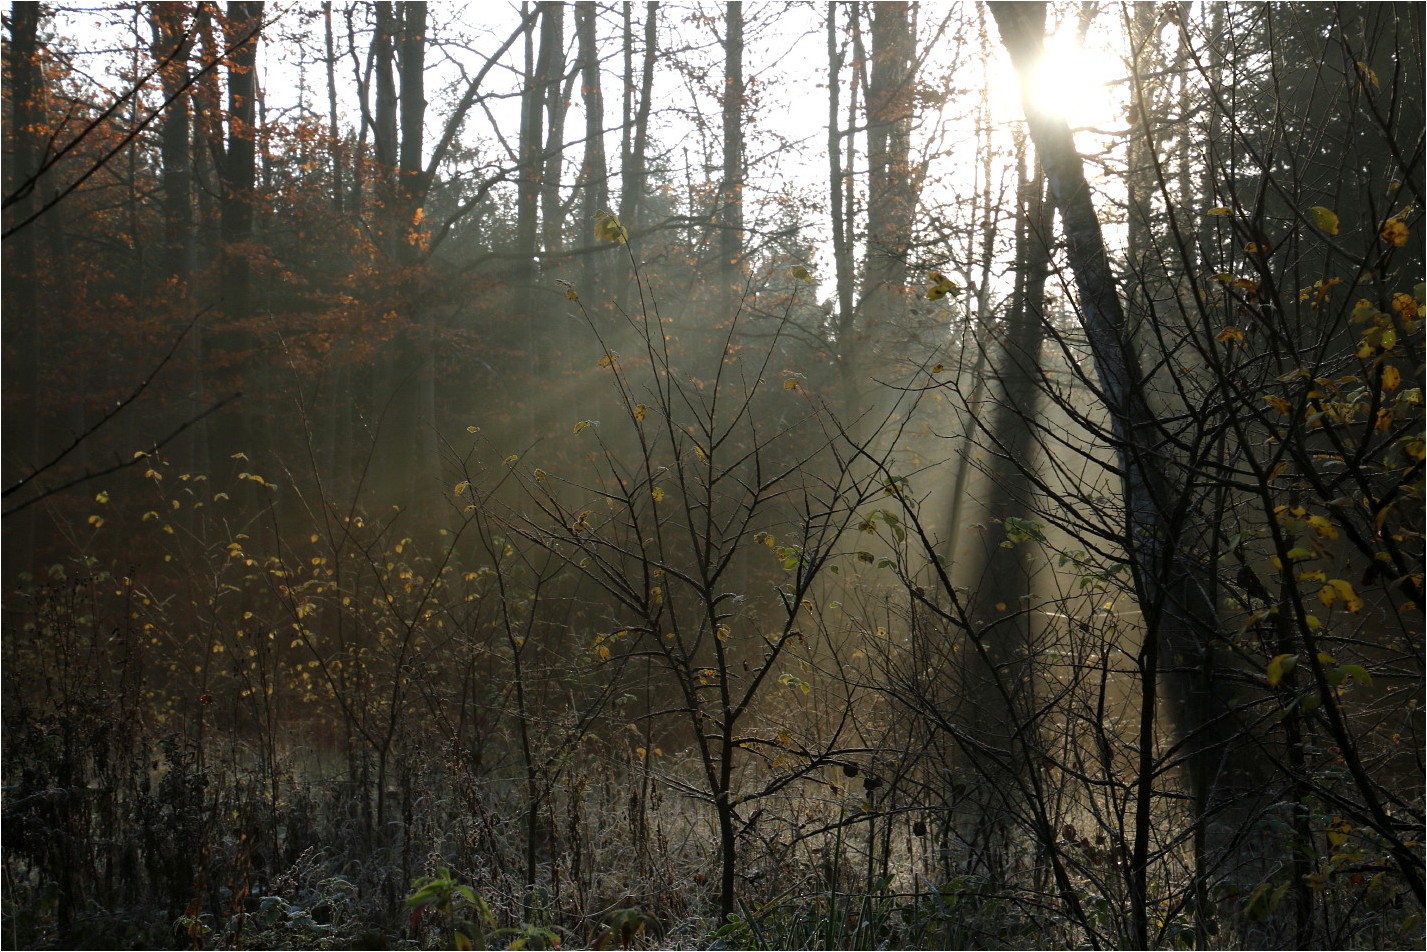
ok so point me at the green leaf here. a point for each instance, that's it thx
(1357, 672)
(1324, 219)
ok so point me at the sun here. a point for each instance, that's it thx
(1071, 82)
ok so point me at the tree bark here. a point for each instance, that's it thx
(837, 176)
(171, 38)
(334, 134)
(239, 170)
(1181, 622)
(550, 72)
(594, 172)
(891, 199)
(730, 212)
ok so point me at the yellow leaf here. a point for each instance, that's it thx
(657, 494)
(1351, 600)
(96, 521)
(639, 412)
(1324, 219)
(1391, 378)
(460, 487)
(579, 427)
(608, 228)
(790, 384)
(473, 429)
(1220, 212)
(1393, 232)
(1367, 73)
(1323, 526)
(1406, 306)
(608, 360)
(540, 475)
(1229, 333)
(1278, 403)
(1251, 247)
(1279, 667)
(801, 273)
(938, 368)
(941, 286)
(722, 633)
(570, 295)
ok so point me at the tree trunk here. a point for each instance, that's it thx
(594, 174)
(244, 20)
(730, 211)
(24, 143)
(170, 38)
(1180, 619)
(334, 134)
(891, 199)
(550, 72)
(633, 171)
(837, 176)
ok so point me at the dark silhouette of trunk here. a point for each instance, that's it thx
(334, 135)
(172, 41)
(891, 199)
(633, 166)
(550, 73)
(24, 142)
(594, 172)
(385, 123)
(837, 176)
(730, 210)
(1000, 697)
(423, 467)
(1180, 618)
(542, 84)
(239, 170)
(209, 153)
(634, 171)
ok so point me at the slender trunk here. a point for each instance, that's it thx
(385, 126)
(24, 142)
(550, 72)
(633, 171)
(334, 135)
(170, 38)
(594, 174)
(841, 222)
(244, 20)
(730, 212)
(891, 202)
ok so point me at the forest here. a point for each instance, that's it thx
(763, 475)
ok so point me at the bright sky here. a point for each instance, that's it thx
(786, 61)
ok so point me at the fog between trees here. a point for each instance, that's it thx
(746, 475)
